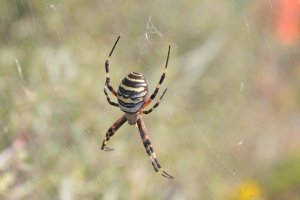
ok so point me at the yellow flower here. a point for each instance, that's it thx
(247, 190)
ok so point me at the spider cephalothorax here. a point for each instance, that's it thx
(132, 98)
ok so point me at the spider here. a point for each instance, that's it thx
(133, 98)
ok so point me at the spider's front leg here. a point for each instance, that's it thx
(111, 132)
(149, 149)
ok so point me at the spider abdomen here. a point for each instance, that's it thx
(132, 92)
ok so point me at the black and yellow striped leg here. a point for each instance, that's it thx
(107, 82)
(111, 132)
(153, 95)
(108, 99)
(155, 105)
(149, 149)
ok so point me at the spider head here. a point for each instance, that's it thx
(132, 118)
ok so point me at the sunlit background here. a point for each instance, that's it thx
(228, 127)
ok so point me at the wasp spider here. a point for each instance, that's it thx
(133, 98)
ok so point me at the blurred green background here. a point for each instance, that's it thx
(228, 127)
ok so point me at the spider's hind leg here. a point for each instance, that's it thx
(107, 81)
(149, 149)
(108, 98)
(155, 105)
(153, 95)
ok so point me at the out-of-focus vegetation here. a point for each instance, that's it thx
(228, 127)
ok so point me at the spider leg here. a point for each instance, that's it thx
(149, 149)
(107, 81)
(155, 105)
(111, 132)
(108, 99)
(152, 97)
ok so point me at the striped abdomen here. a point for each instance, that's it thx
(132, 92)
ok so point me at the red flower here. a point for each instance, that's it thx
(287, 25)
